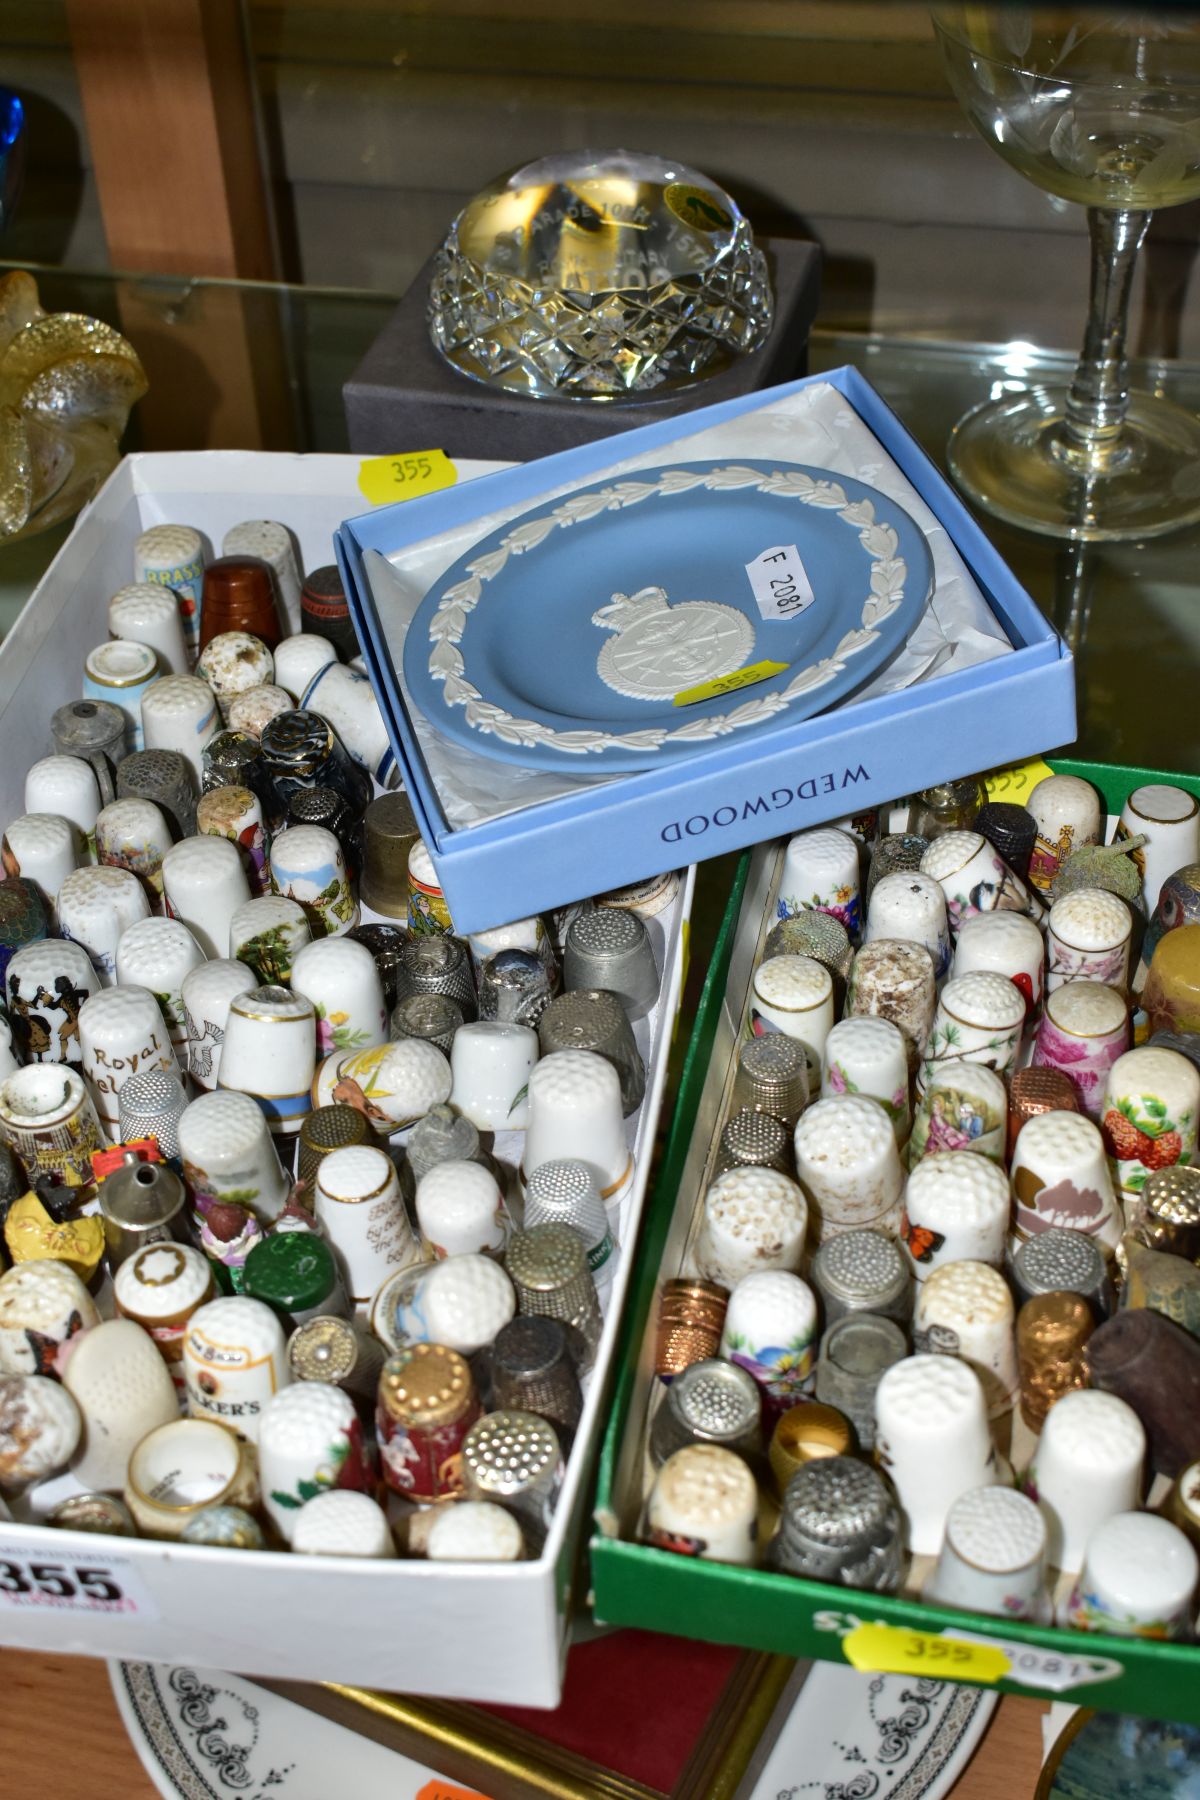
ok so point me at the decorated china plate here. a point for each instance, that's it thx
(651, 615)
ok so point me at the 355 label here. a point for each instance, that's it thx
(33, 1583)
(405, 477)
(779, 583)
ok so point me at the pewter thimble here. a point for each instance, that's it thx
(166, 778)
(839, 1523)
(713, 1402)
(593, 1019)
(1063, 1261)
(1011, 830)
(754, 1140)
(950, 806)
(771, 1077)
(862, 1272)
(326, 807)
(691, 1319)
(389, 832)
(514, 985)
(548, 1267)
(814, 934)
(438, 964)
(514, 1459)
(566, 1193)
(1167, 1212)
(386, 944)
(90, 728)
(331, 1350)
(899, 853)
(328, 1128)
(532, 1371)
(856, 1353)
(149, 1105)
(610, 948)
(434, 1017)
(441, 1135)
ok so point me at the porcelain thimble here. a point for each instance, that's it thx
(65, 786)
(1150, 1106)
(1088, 939)
(150, 1106)
(964, 1107)
(956, 1208)
(821, 874)
(122, 1032)
(232, 663)
(44, 848)
(123, 1390)
(267, 934)
(592, 1019)
(1088, 1466)
(932, 1439)
(134, 835)
(159, 954)
(50, 1124)
(460, 1211)
(307, 866)
(492, 1064)
(794, 995)
(120, 673)
(839, 1523)
(980, 1018)
(193, 1480)
(309, 1441)
(772, 1077)
(345, 698)
(897, 981)
(297, 660)
(46, 985)
(993, 1557)
(861, 1271)
(342, 1523)
(227, 1151)
(704, 1503)
(710, 1402)
(474, 1531)
(1169, 819)
(529, 935)
(848, 1165)
(575, 1110)
(339, 977)
(95, 908)
(206, 994)
(173, 557)
(753, 1219)
(393, 1084)
(167, 779)
(1178, 904)
(253, 709)
(1138, 1580)
(461, 1302)
(1083, 1032)
(966, 1309)
(161, 1286)
(42, 1429)
(234, 1360)
(270, 1053)
(236, 813)
(273, 544)
(179, 712)
(911, 908)
(868, 1057)
(855, 1353)
(1007, 944)
(146, 613)
(357, 1199)
(1066, 810)
(771, 1331)
(42, 1305)
(1060, 1176)
(566, 1193)
(975, 879)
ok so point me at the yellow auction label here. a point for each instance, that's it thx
(891, 1650)
(383, 479)
(1015, 784)
(729, 684)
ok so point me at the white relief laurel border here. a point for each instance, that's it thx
(446, 627)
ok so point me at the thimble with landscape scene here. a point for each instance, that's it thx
(754, 1140)
(1060, 1176)
(307, 865)
(147, 613)
(709, 1403)
(1066, 813)
(273, 544)
(548, 1267)
(610, 948)
(771, 1076)
(532, 1370)
(134, 834)
(267, 934)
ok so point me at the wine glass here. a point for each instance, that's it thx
(1103, 109)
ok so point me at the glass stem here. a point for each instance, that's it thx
(1099, 391)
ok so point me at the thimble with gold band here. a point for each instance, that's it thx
(330, 1349)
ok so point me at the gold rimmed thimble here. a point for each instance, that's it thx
(691, 1317)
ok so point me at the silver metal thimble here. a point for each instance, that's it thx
(771, 1077)
(165, 777)
(437, 965)
(330, 1350)
(441, 1135)
(1167, 1215)
(149, 1105)
(862, 1271)
(434, 1017)
(386, 944)
(533, 1371)
(548, 1267)
(814, 934)
(898, 853)
(565, 1192)
(713, 1402)
(514, 1459)
(754, 1140)
(594, 1019)
(610, 948)
(514, 986)
(855, 1354)
(326, 1128)
(839, 1523)
(1063, 1260)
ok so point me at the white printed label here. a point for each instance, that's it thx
(93, 1585)
(1057, 1670)
(780, 585)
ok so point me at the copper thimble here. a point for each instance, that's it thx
(1167, 1216)
(1034, 1091)
(386, 944)
(390, 830)
(548, 1267)
(327, 1128)
(691, 1317)
(771, 1077)
(754, 1140)
(804, 1433)
(899, 853)
(594, 1019)
(434, 1017)
(325, 610)
(241, 594)
(1052, 1330)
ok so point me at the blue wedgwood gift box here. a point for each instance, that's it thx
(786, 778)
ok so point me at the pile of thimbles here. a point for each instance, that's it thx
(937, 1325)
(311, 1205)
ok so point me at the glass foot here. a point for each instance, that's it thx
(1008, 457)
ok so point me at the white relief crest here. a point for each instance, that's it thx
(658, 649)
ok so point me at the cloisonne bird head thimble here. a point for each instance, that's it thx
(547, 1266)
(575, 1111)
(166, 778)
(771, 1077)
(594, 1019)
(1088, 939)
(1138, 1580)
(1083, 1031)
(150, 1105)
(993, 1557)
(861, 1271)
(794, 995)
(897, 981)
(532, 1370)
(1088, 1466)
(299, 749)
(460, 1211)
(821, 874)
(434, 1018)
(912, 909)
(955, 1207)
(848, 1165)
(1167, 1213)
(753, 1219)
(1060, 1177)
(868, 1057)
(840, 1524)
(771, 1331)
(1150, 1107)
(1006, 944)
(1063, 1260)
(704, 1503)
(1011, 831)
(966, 1309)
(610, 948)
(709, 1403)
(754, 1140)
(1052, 1330)
(565, 1193)
(691, 1315)
(437, 965)
(932, 1439)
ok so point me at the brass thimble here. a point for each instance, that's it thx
(329, 1128)
(330, 1350)
(1034, 1091)
(1167, 1216)
(548, 1268)
(389, 831)
(1052, 1330)
(754, 1140)
(805, 1432)
(771, 1077)
(434, 1017)
(691, 1317)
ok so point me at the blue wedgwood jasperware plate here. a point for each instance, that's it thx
(564, 639)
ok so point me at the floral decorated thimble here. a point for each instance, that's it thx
(270, 1053)
(339, 977)
(236, 813)
(42, 1305)
(794, 995)
(848, 1165)
(993, 1557)
(1138, 1580)
(964, 1107)
(133, 834)
(297, 660)
(1003, 943)
(206, 993)
(1088, 1466)
(911, 908)
(1178, 904)
(358, 1201)
(753, 1219)
(868, 1056)
(307, 866)
(95, 907)
(393, 1085)
(966, 1309)
(122, 1032)
(955, 1208)
(975, 879)
(821, 874)
(574, 1110)
(345, 698)
(309, 1442)
(771, 1332)
(232, 662)
(227, 1151)
(44, 848)
(204, 884)
(173, 557)
(1150, 1107)
(50, 1123)
(65, 786)
(179, 712)
(1066, 811)
(897, 981)
(932, 1439)
(1088, 938)
(704, 1503)
(159, 954)
(1169, 819)
(980, 1018)
(120, 673)
(1083, 1031)
(492, 1063)
(46, 985)
(234, 1360)
(460, 1211)
(1060, 1177)
(145, 613)
(266, 934)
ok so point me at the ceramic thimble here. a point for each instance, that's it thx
(820, 874)
(270, 1053)
(65, 786)
(592, 1019)
(309, 1441)
(610, 948)
(1060, 1177)
(342, 1523)
(461, 1303)
(150, 1106)
(1150, 1106)
(236, 813)
(474, 1531)
(839, 1523)
(357, 1200)
(1088, 939)
(123, 1389)
(147, 613)
(868, 1057)
(895, 980)
(965, 1309)
(42, 1428)
(492, 1065)
(1170, 998)
(307, 866)
(95, 907)
(712, 1402)
(855, 1352)
(50, 1124)
(234, 1360)
(772, 1077)
(252, 710)
(980, 1018)
(460, 1210)
(547, 1265)
(1006, 944)
(963, 1107)
(206, 993)
(227, 1151)
(134, 835)
(753, 1219)
(266, 934)
(771, 1332)
(161, 1286)
(993, 1557)
(704, 1503)
(956, 1208)
(340, 979)
(42, 1304)
(393, 1084)
(1084, 1030)
(1169, 819)
(389, 832)
(298, 749)
(848, 1165)
(794, 995)
(160, 954)
(911, 908)
(932, 1439)
(179, 712)
(566, 1193)
(1138, 1580)
(1088, 1466)
(861, 1271)
(344, 698)
(167, 779)
(974, 879)
(428, 912)
(297, 660)
(574, 1110)
(46, 985)
(1066, 811)
(173, 557)
(122, 1032)
(1063, 1259)
(232, 663)
(1011, 831)
(1052, 1330)
(754, 1140)
(120, 673)
(44, 848)
(1178, 904)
